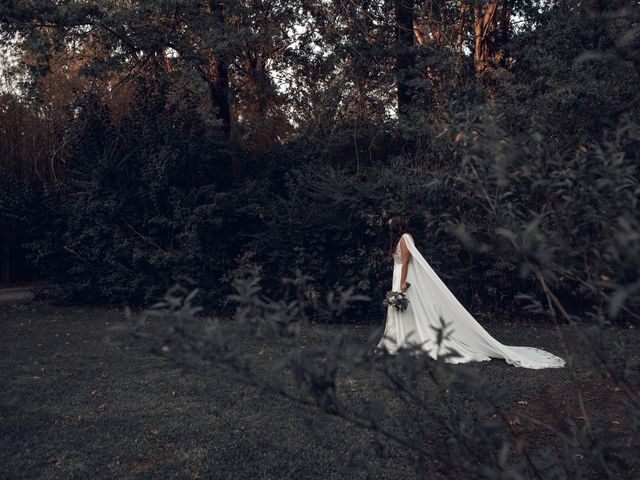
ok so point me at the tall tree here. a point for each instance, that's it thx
(405, 54)
(219, 71)
(492, 24)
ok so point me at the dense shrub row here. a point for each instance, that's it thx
(505, 216)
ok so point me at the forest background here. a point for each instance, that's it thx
(144, 143)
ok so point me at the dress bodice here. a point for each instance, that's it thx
(397, 254)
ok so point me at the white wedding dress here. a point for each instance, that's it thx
(429, 299)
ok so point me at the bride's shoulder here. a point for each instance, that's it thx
(406, 237)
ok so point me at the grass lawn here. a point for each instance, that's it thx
(74, 405)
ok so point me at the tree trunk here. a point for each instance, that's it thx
(484, 18)
(491, 29)
(219, 88)
(405, 57)
(219, 76)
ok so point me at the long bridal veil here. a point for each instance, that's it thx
(431, 301)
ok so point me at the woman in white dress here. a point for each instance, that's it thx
(430, 300)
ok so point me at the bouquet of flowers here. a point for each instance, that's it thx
(396, 299)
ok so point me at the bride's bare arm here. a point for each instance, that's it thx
(406, 256)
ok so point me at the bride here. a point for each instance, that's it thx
(430, 301)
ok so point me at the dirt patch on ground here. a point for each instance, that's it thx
(11, 295)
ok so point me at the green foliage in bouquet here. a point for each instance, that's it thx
(397, 300)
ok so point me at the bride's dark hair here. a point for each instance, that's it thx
(399, 226)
